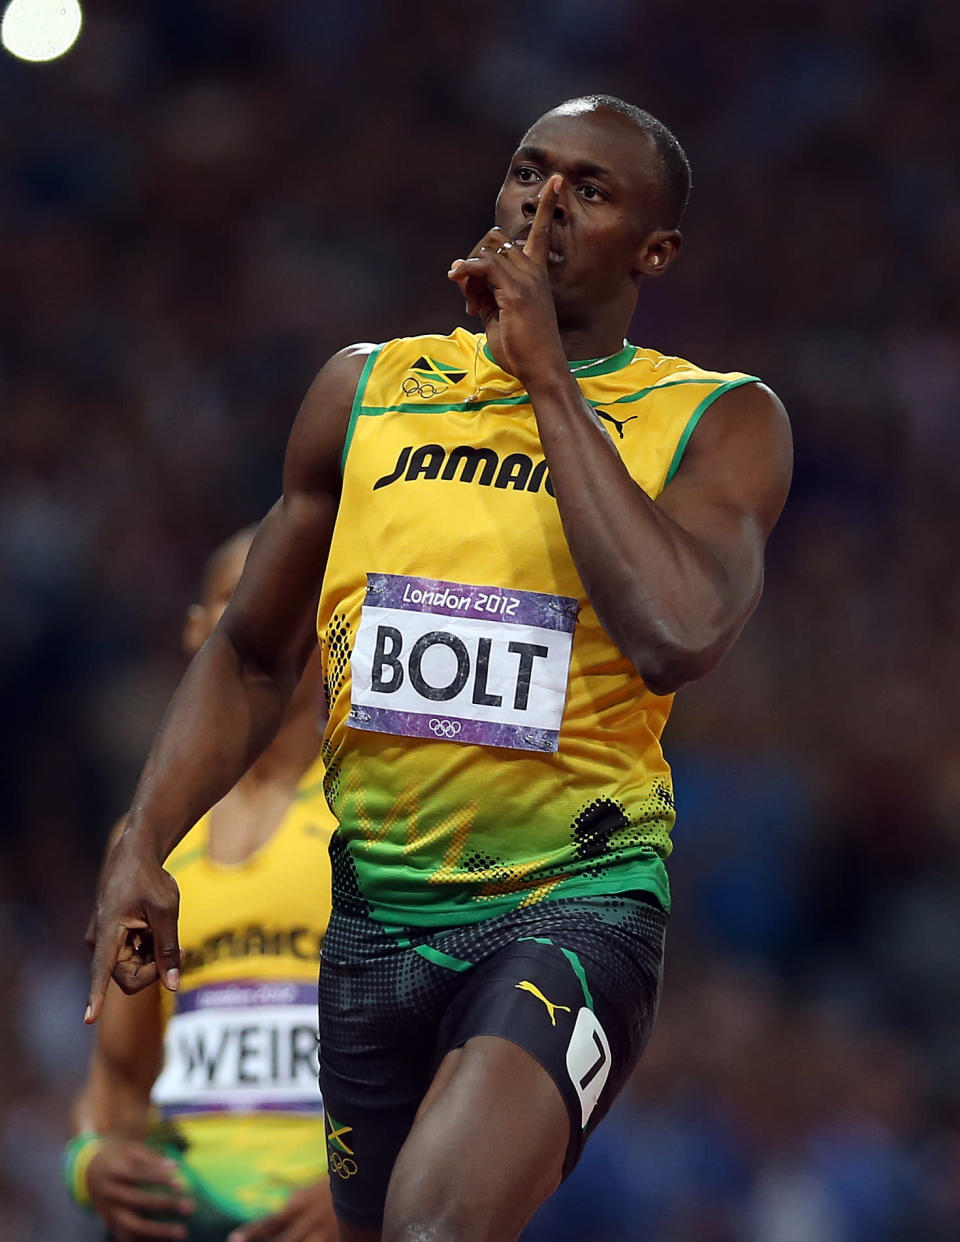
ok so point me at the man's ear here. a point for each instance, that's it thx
(195, 629)
(658, 251)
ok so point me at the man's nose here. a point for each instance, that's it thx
(531, 202)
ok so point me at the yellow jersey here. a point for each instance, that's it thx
(238, 1088)
(488, 745)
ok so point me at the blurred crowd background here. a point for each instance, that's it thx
(205, 199)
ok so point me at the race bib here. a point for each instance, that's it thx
(461, 663)
(241, 1047)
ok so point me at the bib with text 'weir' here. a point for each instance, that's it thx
(244, 1046)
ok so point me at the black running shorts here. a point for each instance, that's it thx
(574, 981)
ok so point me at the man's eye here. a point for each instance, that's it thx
(590, 192)
(525, 175)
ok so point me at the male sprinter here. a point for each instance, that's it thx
(218, 1076)
(527, 541)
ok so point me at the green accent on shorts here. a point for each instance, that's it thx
(439, 958)
(581, 974)
(575, 965)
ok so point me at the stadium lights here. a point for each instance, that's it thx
(40, 30)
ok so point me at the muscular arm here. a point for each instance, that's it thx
(673, 581)
(232, 697)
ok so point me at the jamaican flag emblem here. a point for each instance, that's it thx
(335, 1136)
(430, 377)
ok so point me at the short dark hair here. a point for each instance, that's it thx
(676, 166)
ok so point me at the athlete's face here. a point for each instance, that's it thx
(606, 233)
(218, 588)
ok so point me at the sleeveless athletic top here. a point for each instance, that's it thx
(238, 1089)
(488, 746)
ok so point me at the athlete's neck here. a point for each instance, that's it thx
(579, 345)
(593, 334)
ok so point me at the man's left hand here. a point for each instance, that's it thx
(508, 286)
(307, 1217)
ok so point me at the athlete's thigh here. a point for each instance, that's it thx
(581, 1000)
(380, 1007)
(488, 1146)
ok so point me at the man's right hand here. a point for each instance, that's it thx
(232, 698)
(133, 930)
(125, 1179)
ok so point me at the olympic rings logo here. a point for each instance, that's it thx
(446, 728)
(420, 388)
(343, 1166)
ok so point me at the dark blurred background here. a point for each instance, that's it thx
(201, 202)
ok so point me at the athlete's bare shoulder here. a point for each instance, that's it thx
(335, 386)
(740, 455)
(346, 365)
(319, 431)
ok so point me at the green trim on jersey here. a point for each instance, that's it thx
(645, 392)
(358, 403)
(433, 407)
(697, 415)
(646, 874)
(588, 367)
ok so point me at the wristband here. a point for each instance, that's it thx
(76, 1160)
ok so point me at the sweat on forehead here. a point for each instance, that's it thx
(576, 107)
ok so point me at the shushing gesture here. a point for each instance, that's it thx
(507, 284)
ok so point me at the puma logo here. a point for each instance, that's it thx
(525, 986)
(618, 423)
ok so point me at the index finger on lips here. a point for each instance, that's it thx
(537, 245)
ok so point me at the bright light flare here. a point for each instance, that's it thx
(40, 29)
